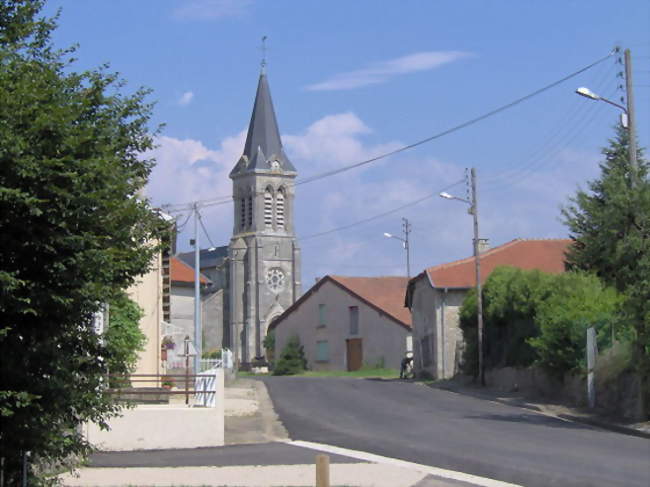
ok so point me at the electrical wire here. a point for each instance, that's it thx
(380, 215)
(205, 231)
(455, 128)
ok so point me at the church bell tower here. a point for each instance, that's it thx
(264, 255)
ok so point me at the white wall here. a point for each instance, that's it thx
(382, 336)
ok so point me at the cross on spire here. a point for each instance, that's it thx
(263, 48)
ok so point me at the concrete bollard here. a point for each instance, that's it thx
(322, 471)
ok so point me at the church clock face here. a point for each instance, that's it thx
(275, 279)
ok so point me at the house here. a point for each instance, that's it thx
(436, 295)
(213, 264)
(181, 322)
(345, 323)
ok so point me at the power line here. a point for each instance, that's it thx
(205, 231)
(386, 213)
(455, 128)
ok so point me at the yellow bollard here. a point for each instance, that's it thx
(322, 471)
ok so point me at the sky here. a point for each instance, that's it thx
(353, 80)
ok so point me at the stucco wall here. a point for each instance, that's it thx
(147, 292)
(383, 339)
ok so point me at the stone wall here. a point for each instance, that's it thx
(619, 397)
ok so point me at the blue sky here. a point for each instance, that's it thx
(351, 80)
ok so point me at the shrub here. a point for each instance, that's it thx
(292, 359)
(578, 301)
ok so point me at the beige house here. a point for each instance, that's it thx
(147, 292)
(345, 323)
(436, 295)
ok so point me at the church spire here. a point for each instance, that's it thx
(263, 149)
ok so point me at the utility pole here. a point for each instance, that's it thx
(631, 122)
(406, 226)
(198, 339)
(477, 260)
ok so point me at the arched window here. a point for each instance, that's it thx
(279, 210)
(268, 208)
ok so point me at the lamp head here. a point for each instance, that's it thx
(388, 235)
(446, 196)
(587, 93)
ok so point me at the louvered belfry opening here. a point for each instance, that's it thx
(279, 210)
(268, 209)
(242, 209)
(250, 212)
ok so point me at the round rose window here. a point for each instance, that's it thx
(275, 279)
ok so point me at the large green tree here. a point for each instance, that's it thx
(73, 234)
(610, 223)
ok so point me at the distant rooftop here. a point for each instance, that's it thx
(181, 272)
(207, 258)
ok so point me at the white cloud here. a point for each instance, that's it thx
(383, 71)
(526, 204)
(186, 98)
(210, 9)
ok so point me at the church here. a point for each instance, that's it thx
(256, 277)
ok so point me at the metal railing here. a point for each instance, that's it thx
(202, 386)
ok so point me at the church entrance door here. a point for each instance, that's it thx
(354, 353)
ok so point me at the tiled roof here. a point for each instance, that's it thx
(384, 293)
(547, 255)
(181, 272)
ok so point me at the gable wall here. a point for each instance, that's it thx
(382, 337)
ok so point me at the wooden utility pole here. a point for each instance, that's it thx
(477, 261)
(631, 121)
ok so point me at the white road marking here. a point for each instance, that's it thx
(435, 471)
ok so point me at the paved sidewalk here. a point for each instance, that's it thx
(544, 406)
(259, 453)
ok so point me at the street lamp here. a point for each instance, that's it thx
(473, 210)
(406, 226)
(627, 117)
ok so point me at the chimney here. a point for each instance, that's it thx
(483, 245)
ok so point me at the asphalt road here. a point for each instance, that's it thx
(434, 427)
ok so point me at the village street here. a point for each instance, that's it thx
(413, 422)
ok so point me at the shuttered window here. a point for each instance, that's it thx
(268, 209)
(279, 210)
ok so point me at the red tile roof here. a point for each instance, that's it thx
(546, 255)
(383, 293)
(181, 272)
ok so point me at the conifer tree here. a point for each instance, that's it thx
(610, 223)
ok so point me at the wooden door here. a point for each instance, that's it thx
(354, 353)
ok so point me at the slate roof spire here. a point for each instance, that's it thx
(263, 149)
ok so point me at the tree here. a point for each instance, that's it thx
(577, 301)
(123, 338)
(74, 234)
(610, 223)
(292, 359)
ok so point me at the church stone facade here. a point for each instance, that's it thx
(264, 258)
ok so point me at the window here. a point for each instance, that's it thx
(268, 209)
(321, 315)
(242, 215)
(250, 211)
(354, 320)
(279, 210)
(322, 351)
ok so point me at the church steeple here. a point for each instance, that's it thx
(263, 149)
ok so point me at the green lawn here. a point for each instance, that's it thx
(364, 372)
